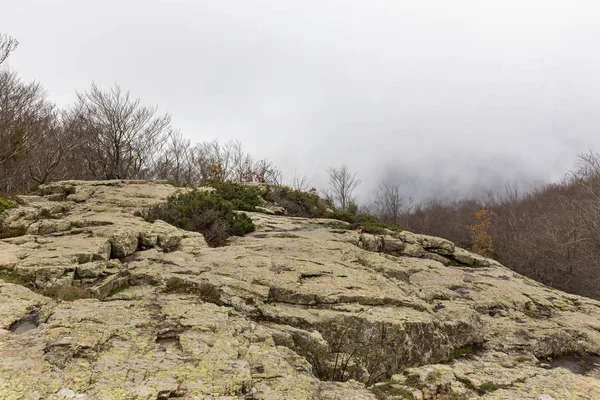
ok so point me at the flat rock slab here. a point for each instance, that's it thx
(301, 309)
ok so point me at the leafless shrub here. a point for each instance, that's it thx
(208, 154)
(390, 204)
(241, 164)
(234, 164)
(342, 184)
(301, 183)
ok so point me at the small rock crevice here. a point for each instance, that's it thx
(27, 323)
(61, 355)
(581, 364)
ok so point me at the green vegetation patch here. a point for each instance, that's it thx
(205, 291)
(311, 205)
(466, 381)
(6, 204)
(296, 202)
(205, 212)
(386, 391)
(367, 222)
(433, 377)
(17, 279)
(6, 231)
(241, 197)
(118, 289)
(463, 351)
(64, 292)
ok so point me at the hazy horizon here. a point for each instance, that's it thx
(448, 99)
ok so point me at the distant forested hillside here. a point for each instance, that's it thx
(551, 234)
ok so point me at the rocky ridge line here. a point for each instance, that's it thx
(297, 310)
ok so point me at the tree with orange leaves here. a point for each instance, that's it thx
(482, 240)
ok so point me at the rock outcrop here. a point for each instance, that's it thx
(300, 309)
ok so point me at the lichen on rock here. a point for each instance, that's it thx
(127, 309)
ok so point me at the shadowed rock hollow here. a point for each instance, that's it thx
(300, 309)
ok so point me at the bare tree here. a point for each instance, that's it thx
(551, 234)
(301, 183)
(342, 185)
(58, 137)
(229, 161)
(8, 44)
(587, 166)
(178, 150)
(241, 164)
(24, 116)
(241, 167)
(123, 137)
(175, 162)
(213, 157)
(265, 171)
(390, 204)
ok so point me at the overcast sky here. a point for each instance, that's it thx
(447, 98)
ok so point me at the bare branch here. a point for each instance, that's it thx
(8, 44)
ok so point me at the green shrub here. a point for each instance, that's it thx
(5, 204)
(368, 222)
(342, 216)
(205, 212)
(296, 202)
(241, 224)
(311, 205)
(353, 208)
(242, 197)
